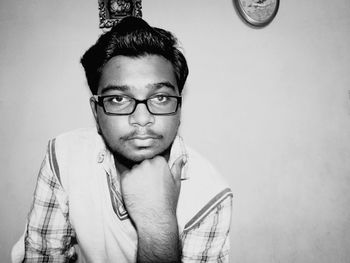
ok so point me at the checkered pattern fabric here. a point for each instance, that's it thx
(208, 241)
(51, 238)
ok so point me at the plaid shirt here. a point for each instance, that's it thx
(51, 238)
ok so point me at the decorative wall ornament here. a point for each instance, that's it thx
(257, 13)
(112, 11)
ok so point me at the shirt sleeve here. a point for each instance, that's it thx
(209, 240)
(49, 236)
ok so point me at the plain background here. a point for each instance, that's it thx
(269, 107)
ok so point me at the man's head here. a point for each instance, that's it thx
(137, 74)
(133, 37)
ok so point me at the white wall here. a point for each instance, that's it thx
(269, 107)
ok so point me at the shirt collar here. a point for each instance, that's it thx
(106, 158)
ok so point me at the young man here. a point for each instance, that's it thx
(130, 190)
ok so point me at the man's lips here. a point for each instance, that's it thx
(142, 136)
(143, 141)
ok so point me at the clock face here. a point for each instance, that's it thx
(257, 12)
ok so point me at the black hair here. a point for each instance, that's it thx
(133, 37)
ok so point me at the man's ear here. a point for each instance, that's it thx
(93, 105)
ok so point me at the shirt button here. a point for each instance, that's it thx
(100, 157)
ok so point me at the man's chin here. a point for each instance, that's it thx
(136, 156)
(141, 155)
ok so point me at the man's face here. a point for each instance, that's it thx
(140, 135)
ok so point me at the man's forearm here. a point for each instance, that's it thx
(159, 241)
(150, 191)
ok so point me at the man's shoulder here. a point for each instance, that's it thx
(78, 142)
(78, 137)
(78, 134)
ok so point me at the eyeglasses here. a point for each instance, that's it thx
(124, 105)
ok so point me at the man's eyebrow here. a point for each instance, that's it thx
(163, 84)
(124, 88)
(115, 87)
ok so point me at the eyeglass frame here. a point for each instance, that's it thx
(99, 100)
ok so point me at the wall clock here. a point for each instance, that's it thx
(257, 13)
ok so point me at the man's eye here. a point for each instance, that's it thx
(118, 99)
(161, 98)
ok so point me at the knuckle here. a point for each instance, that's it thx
(145, 163)
(158, 159)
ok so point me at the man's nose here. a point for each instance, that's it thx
(141, 116)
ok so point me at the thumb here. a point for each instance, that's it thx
(176, 168)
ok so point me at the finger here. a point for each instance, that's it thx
(177, 167)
